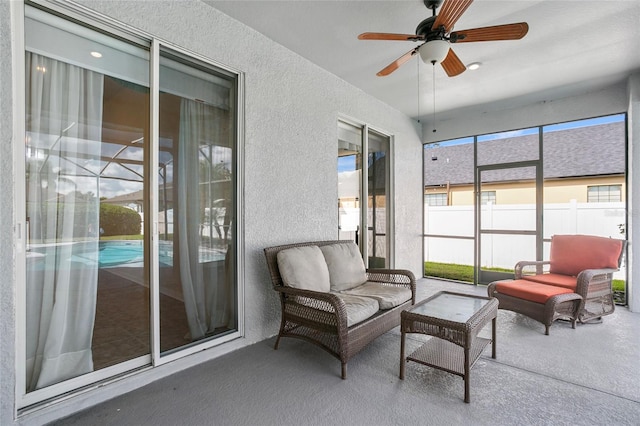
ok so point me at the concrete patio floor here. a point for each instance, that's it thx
(586, 376)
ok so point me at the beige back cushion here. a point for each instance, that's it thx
(304, 268)
(346, 268)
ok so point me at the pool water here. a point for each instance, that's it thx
(113, 253)
(122, 253)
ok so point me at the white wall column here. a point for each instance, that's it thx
(633, 220)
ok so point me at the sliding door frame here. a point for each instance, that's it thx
(363, 239)
(29, 401)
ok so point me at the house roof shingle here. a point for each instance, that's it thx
(585, 151)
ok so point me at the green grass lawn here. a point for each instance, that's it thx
(464, 273)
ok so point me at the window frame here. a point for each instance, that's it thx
(439, 197)
(609, 193)
(365, 130)
(487, 196)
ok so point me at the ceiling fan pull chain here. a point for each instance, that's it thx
(418, 62)
(434, 96)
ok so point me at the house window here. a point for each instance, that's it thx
(436, 199)
(604, 193)
(100, 171)
(487, 197)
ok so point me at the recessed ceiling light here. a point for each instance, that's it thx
(473, 66)
(96, 54)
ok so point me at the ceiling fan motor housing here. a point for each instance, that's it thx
(432, 4)
(424, 27)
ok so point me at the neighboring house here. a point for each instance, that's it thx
(585, 164)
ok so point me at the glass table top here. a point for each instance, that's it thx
(450, 307)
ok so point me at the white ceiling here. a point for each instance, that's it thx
(572, 47)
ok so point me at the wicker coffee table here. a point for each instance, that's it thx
(455, 319)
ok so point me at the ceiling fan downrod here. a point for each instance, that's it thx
(433, 5)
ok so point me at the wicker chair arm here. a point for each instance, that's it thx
(327, 302)
(400, 277)
(526, 267)
(593, 277)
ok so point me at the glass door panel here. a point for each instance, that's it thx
(377, 200)
(196, 204)
(87, 286)
(349, 181)
(369, 182)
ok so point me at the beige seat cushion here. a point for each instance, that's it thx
(346, 268)
(358, 308)
(387, 296)
(304, 268)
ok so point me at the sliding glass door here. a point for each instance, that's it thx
(130, 206)
(367, 178)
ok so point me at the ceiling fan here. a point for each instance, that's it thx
(436, 32)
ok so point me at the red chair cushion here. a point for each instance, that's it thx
(529, 290)
(565, 281)
(571, 254)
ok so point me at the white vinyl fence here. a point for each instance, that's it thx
(503, 251)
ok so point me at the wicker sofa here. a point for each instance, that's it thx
(576, 283)
(328, 297)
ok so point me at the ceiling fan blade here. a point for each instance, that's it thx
(497, 32)
(452, 64)
(449, 14)
(397, 63)
(390, 36)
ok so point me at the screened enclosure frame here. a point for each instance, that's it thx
(543, 182)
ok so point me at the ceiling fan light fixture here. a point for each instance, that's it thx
(434, 51)
(474, 66)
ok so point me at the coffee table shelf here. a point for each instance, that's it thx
(454, 320)
(447, 356)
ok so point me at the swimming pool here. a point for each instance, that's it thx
(118, 253)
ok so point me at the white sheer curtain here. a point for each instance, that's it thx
(64, 113)
(205, 283)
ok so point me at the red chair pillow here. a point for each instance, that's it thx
(571, 254)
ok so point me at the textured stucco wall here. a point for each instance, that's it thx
(290, 179)
(7, 298)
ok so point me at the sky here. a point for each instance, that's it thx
(534, 130)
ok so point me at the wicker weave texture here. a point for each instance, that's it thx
(455, 346)
(321, 318)
(593, 285)
(561, 306)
